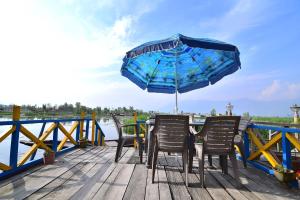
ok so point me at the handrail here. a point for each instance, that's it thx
(277, 124)
(285, 135)
(28, 158)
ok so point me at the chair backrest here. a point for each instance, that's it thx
(219, 134)
(171, 131)
(118, 125)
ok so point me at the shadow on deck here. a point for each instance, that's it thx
(92, 174)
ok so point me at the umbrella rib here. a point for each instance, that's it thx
(153, 71)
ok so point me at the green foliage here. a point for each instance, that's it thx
(246, 115)
(273, 119)
(66, 110)
(213, 112)
(130, 129)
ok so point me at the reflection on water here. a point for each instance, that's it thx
(105, 123)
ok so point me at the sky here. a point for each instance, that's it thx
(71, 51)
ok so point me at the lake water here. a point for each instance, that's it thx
(106, 124)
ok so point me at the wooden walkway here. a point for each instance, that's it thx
(92, 174)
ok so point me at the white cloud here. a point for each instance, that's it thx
(279, 90)
(64, 52)
(271, 90)
(44, 53)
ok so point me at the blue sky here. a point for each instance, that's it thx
(72, 50)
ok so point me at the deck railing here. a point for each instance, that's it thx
(256, 145)
(81, 127)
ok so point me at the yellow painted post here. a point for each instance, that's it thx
(99, 137)
(93, 127)
(103, 141)
(16, 113)
(82, 115)
(134, 130)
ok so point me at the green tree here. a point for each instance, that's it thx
(213, 112)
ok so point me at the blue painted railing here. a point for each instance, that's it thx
(282, 136)
(28, 159)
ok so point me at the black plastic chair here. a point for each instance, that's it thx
(126, 139)
(171, 134)
(218, 139)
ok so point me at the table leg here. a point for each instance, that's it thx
(146, 139)
(150, 150)
(191, 152)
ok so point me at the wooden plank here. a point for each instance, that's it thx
(152, 191)
(115, 186)
(127, 156)
(176, 182)
(70, 186)
(242, 189)
(35, 168)
(57, 183)
(90, 190)
(274, 186)
(214, 188)
(33, 182)
(246, 192)
(164, 189)
(259, 189)
(59, 186)
(88, 152)
(137, 184)
(21, 188)
(195, 189)
(234, 192)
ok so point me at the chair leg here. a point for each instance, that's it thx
(119, 149)
(201, 169)
(185, 166)
(190, 156)
(242, 151)
(210, 160)
(223, 163)
(154, 161)
(150, 150)
(141, 152)
(232, 157)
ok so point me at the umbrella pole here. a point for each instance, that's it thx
(176, 106)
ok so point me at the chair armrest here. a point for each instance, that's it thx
(127, 125)
(197, 134)
(151, 129)
(193, 131)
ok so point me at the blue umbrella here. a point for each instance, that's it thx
(180, 64)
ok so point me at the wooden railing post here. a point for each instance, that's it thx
(14, 146)
(87, 129)
(78, 132)
(93, 127)
(55, 138)
(286, 152)
(135, 129)
(97, 136)
(82, 115)
(246, 145)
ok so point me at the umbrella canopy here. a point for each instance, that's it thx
(180, 64)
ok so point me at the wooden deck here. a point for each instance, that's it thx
(92, 174)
